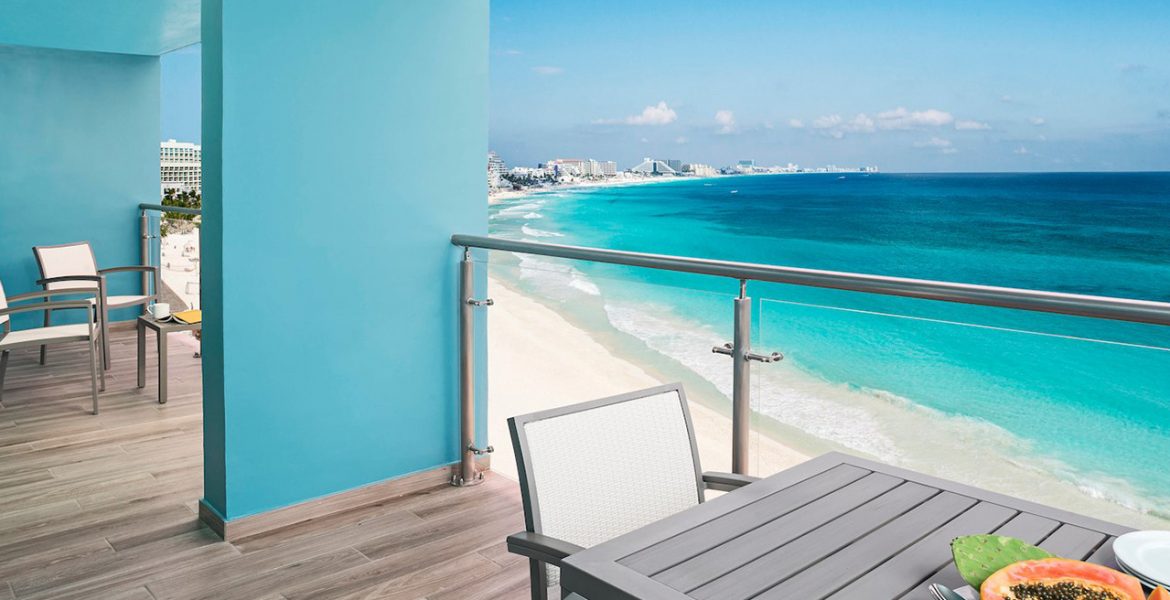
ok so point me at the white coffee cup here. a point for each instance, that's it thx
(160, 310)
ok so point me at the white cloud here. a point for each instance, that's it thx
(680, 140)
(512, 52)
(726, 121)
(900, 118)
(836, 126)
(1132, 67)
(1021, 151)
(796, 123)
(645, 141)
(969, 125)
(547, 70)
(934, 142)
(658, 114)
(942, 144)
(1006, 99)
(827, 122)
(1037, 121)
(890, 120)
(860, 123)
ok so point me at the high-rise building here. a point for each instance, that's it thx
(182, 166)
(650, 166)
(495, 169)
(675, 164)
(570, 166)
(496, 164)
(700, 170)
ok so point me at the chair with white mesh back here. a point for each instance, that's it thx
(74, 265)
(87, 331)
(593, 471)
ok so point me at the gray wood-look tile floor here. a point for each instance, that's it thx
(104, 506)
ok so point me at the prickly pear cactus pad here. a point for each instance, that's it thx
(979, 556)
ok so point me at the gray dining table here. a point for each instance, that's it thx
(836, 526)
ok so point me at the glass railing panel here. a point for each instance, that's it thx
(562, 332)
(1064, 411)
(175, 249)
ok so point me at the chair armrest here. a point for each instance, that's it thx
(136, 268)
(726, 482)
(51, 293)
(548, 550)
(60, 304)
(48, 280)
(154, 276)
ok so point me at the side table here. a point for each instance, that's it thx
(161, 329)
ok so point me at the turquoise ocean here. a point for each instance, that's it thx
(1043, 406)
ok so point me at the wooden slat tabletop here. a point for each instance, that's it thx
(834, 527)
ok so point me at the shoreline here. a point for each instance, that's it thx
(502, 196)
(572, 366)
(579, 362)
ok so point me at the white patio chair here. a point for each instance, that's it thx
(88, 331)
(75, 266)
(593, 471)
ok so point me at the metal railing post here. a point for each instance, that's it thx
(467, 474)
(741, 390)
(144, 227)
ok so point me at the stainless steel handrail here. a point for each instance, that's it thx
(171, 209)
(1097, 307)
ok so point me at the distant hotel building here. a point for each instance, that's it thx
(182, 166)
(650, 166)
(700, 170)
(582, 167)
(529, 172)
(495, 169)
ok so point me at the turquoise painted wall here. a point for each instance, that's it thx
(349, 143)
(79, 135)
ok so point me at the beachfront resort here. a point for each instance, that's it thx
(589, 172)
(252, 347)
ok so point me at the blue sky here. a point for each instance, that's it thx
(181, 99)
(906, 86)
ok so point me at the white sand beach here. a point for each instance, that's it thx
(540, 361)
(498, 196)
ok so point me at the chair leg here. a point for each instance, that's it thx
(48, 322)
(105, 327)
(93, 373)
(101, 372)
(539, 582)
(3, 370)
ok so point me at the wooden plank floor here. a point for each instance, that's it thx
(104, 506)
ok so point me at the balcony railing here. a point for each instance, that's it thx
(170, 240)
(1089, 376)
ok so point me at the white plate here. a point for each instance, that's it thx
(1146, 582)
(1146, 553)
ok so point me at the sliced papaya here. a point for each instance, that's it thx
(1160, 594)
(1060, 579)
